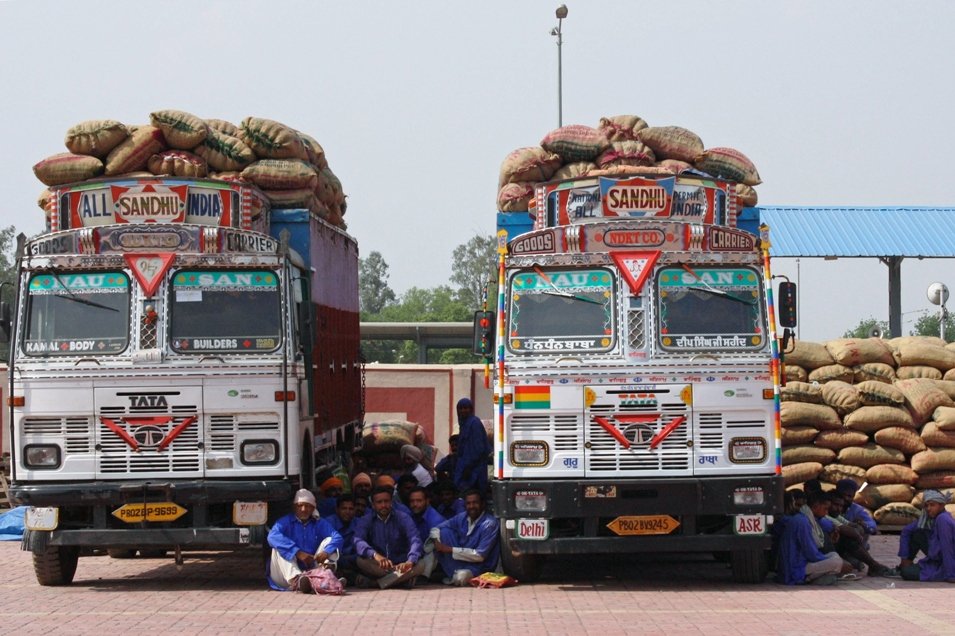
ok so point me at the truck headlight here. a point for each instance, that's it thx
(530, 500)
(747, 450)
(529, 453)
(44, 456)
(260, 452)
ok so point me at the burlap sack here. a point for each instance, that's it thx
(575, 143)
(801, 392)
(936, 479)
(944, 418)
(314, 151)
(674, 166)
(924, 354)
(869, 419)
(908, 373)
(626, 154)
(947, 385)
(223, 126)
(95, 137)
(515, 197)
(922, 397)
(134, 151)
(857, 351)
(528, 164)
(934, 341)
(877, 393)
(329, 188)
(808, 355)
(807, 453)
(301, 198)
(874, 371)
(224, 153)
(728, 163)
(919, 499)
(949, 375)
(574, 170)
(896, 514)
(795, 373)
(841, 396)
(44, 201)
(795, 435)
(804, 414)
(232, 176)
(383, 437)
(830, 373)
(627, 170)
(891, 474)
(874, 497)
(621, 127)
(904, 439)
(282, 174)
(798, 473)
(746, 196)
(837, 440)
(934, 460)
(270, 139)
(933, 436)
(870, 455)
(177, 163)
(832, 473)
(672, 142)
(66, 167)
(182, 130)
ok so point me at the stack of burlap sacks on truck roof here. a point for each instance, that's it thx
(879, 412)
(287, 165)
(624, 145)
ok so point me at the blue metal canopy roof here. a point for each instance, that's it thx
(858, 231)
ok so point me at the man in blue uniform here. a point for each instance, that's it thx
(425, 518)
(470, 470)
(800, 540)
(939, 561)
(300, 541)
(344, 523)
(387, 545)
(468, 543)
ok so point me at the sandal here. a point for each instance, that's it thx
(851, 576)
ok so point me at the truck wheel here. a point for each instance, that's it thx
(526, 568)
(56, 565)
(120, 553)
(749, 566)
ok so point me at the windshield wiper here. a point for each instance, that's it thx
(559, 292)
(71, 296)
(720, 292)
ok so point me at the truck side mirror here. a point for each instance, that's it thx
(484, 334)
(4, 322)
(787, 304)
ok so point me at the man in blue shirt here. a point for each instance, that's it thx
(939, 562)
(387, 545)
(446, 501)
(800, 540)
(853, 512)
(425, 518)
(300, 541)
(468, 543)
(470, 470)
(344, 523)
(445, 467)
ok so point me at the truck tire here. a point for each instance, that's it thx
(121, 553)
(56, 565)
(526, 568)
(749, 566)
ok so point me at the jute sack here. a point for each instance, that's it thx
(626, 170)
(66, 167)
(282, 174)
(182, 130)
(177, 163)
(936, 479)
(95, 137)
(807, 453)
(906, 440)
(574, 170)
(841, 396)
(922, 397)
(934, 436)
(515, 197)
(621, 127)
(870, 455)
(134, 151)
(624, 154)
(44, 201)
(891, 474)
(923, 354)
(804, 414)
(575, 143)
(528, 164)
(877, 393)
(947, 384)
(837, 440)
(728, 163)
(934, 460)
(303, 198)
(795, 435)
(801, 392)
(795, 373)
(672, 142)
(798, 473)
(269, 139)
(830, 373)
(223, 126)
(869, 419)
(919, 499)
(855, 351)
(944, 418)
(896, 514)
(873, 497)
(878, 371)
(390, 436)
(329, 189)
(934, 341)
(223, 152)
(832, 473)
(314, 151)
(676, 166)
(231, 175)
(949, 375)
(808, 355)
(908, 373)
(746, 196)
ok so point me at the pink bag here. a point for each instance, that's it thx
(324, 581)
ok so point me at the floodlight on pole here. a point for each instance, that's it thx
(938, 295)
(561, 13)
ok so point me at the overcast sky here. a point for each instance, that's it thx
(417, 103)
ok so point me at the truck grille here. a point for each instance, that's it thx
(75, 432)
(149, 428)
(224, 430)
(715, 429)
(564, 431)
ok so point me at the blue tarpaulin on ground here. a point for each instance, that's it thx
(11, 524)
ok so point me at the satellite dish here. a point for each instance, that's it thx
(937, 293)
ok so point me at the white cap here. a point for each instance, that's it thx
(304, 496)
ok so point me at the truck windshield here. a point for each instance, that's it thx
(710, 308)
(235, 311)
(77, 314)
(561, 310)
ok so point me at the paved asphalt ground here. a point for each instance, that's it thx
(225, 593)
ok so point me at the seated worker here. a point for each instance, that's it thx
(330, 489)
(300, 541)
(362, 507)
(793, 500)
(853, 512)
(939, 561)
(800, 540)
(387, 545)
(361, 489)
(406, 483)
(425, 518)
(413, 459)
(445, 468)
(446, 501)
(344, 523)
(851, 542)
(468, 544)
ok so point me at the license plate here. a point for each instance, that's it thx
(533, 529)
(152, 511)
(749, 524)
(41, 518)
(644, 524)
(250, 513)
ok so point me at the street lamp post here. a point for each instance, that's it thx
(556, 31)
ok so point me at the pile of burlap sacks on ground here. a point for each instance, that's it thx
(381, 444)
(624, 145)
(287, 165)
(879, 412)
